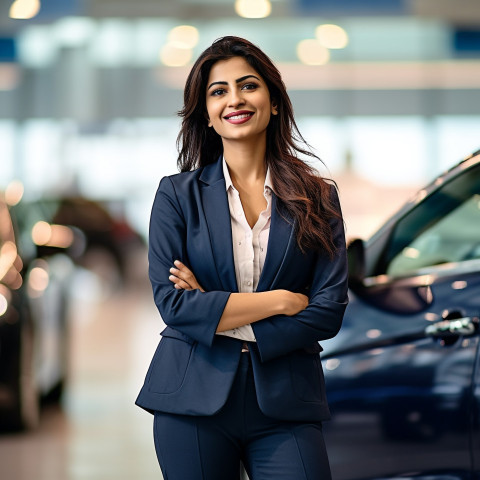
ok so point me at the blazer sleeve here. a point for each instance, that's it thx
(328, 298)
(193, 313)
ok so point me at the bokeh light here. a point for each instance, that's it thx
(310, 52)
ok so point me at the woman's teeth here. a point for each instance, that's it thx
(238, 117)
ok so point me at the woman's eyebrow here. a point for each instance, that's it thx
(238, 80)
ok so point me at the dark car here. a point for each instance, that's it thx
(403, 374)
(36, 266)
(109, 239)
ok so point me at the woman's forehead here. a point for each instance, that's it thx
(234, 67)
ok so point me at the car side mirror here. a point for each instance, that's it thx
(356, 262)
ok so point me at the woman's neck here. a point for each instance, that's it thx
(246, 162)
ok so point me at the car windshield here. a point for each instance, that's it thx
(445, 228)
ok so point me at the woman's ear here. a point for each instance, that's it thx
(274, 108)
(207, 118)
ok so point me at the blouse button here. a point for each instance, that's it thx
(248, 282)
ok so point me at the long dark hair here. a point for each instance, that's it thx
(303, 193)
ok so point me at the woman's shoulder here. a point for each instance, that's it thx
(182, 178)
(208, 173)
(181, 185)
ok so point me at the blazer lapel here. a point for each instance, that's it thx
(217, 214)
(280, 240)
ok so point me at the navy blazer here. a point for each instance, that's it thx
(193, 368)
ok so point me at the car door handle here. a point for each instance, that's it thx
(451, 328)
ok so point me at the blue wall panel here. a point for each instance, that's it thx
(352, 7)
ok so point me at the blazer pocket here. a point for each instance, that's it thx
(170, 363)
(172, 333)
(307, 376)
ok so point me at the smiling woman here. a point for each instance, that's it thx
(248, 267)
(237, 96)
(295, 182)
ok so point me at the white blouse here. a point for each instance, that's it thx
(249, 245)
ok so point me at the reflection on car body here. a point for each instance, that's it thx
(403, 373)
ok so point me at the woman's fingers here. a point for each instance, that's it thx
(183, 277)
(181, 266)
(178, 278)
(179, 284)
(184, 273)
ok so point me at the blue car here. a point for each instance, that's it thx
(403, 374)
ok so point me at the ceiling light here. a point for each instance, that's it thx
(253, 8)
(41, 233)
(3, 304)
(331, 36)
(14, 192)
(8, 257)
(38, 280)
(61, 236)
(173, 56)
(310, 52)
(183, 36)
(24, 9)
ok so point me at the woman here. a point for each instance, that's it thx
(248, 268)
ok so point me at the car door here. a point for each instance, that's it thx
(399, 374)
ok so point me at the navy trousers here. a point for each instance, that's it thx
(213, 447)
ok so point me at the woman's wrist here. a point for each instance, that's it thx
(280, 301)
(291, 303)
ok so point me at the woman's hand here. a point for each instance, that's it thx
(183, 278)
(295, 303)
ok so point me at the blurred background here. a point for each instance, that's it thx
(387, 93)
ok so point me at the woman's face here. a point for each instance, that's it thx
(238, 101)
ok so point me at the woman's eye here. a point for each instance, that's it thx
(249, 86)
(217, 92)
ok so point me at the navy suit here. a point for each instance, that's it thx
(193, 369)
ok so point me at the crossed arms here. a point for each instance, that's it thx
(243, 308)
(283, 321)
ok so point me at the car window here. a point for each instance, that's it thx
(444, 228)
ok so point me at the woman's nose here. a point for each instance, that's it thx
(235, 98)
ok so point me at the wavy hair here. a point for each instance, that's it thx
(304, 195)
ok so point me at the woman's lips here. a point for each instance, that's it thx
(237, 118)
